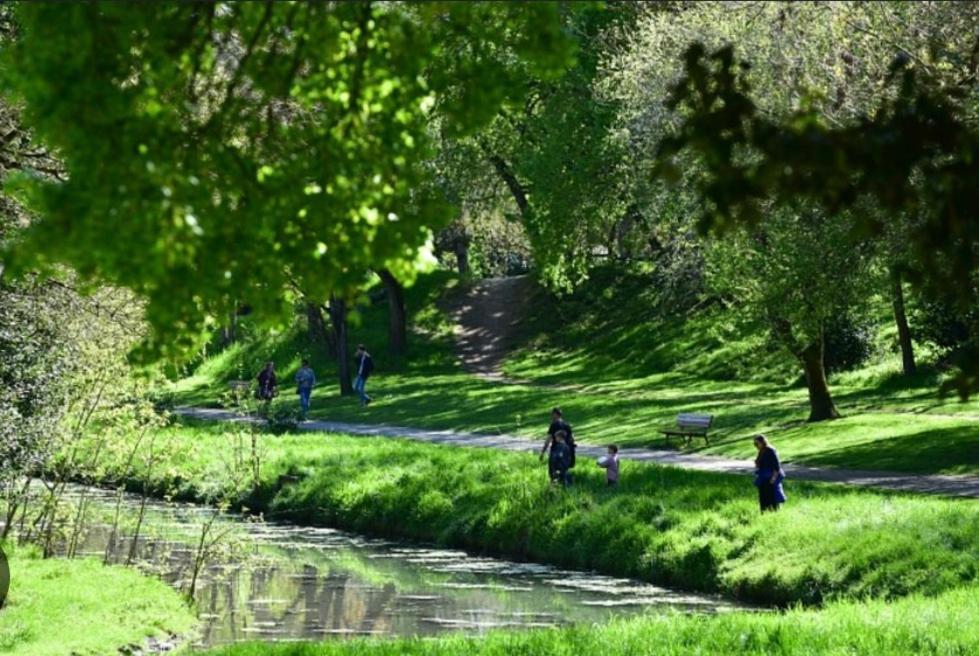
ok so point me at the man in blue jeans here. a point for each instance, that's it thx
(305, 379)
(365, 365)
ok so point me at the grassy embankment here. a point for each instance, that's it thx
(694, 530)
(622, 367)
(57, 606)
(895, 574)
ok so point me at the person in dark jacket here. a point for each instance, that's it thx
(266, 382)
(365, 365)
(768, 475)
(558, 424)
(560, 459)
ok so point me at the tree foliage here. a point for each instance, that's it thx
(918, 155)
(225, 153)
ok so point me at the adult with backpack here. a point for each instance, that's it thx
(558, 424)
(266, 383)
(365, 366)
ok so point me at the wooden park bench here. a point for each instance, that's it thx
(689, 426)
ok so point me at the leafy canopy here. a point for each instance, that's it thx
(220, 154)
(917, 155)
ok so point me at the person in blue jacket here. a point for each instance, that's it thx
(768, 475)
(365, 366)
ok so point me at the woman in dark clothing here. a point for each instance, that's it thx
(266, 382)
(768, 475)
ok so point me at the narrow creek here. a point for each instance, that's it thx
(280, 581)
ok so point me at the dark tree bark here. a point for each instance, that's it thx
(461, 250)
(318, 333)
(230, 331)
(821, 406)
(397, 317)
(901, 318)
(516, 189)
(338, 318)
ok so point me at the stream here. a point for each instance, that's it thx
(279, 581)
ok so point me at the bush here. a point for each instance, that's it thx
(942, 323)
(848, 344)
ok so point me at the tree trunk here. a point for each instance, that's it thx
(461, 250)
(398, 318)
(821, 406)
(230, 331)
(318, 334)
(510, 180)
(903, 331)
(338, 317)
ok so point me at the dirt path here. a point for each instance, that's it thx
(945, 485)
(486, 321)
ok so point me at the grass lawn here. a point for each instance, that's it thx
(694, 530)
(57, 606)
(943, 625)
(621, 372)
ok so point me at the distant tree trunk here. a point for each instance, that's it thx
(398, 319)
(461, 249)
(318, 334)
(517, 190)
(903, 331)
(338, 318)
(821, 406)
(230, 331)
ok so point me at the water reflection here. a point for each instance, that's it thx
(296, 582)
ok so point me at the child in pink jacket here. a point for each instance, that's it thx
(611, 465)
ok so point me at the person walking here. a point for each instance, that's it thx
(768, 475)
(266, 382)
(559, 460)
(365, 366)
(611, 465)
(305, 379)
(558, 424)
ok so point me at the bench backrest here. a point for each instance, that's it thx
(687, 420)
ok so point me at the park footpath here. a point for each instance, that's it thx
(940, 484)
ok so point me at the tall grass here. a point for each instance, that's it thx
(57, 606)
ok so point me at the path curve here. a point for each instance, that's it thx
(941, 484)
(486, 320)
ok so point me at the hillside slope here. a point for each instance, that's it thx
(622, 365)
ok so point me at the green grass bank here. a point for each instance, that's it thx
(945, 625)
(692, 530)
(622, 366)
(57, 607)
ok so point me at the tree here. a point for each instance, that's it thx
(215, 153)
(337, 309)
(397, 314)
(795, 274)
(917, 155)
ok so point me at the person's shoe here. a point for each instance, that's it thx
(368, 401)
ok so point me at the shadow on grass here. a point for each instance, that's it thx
(947, 450)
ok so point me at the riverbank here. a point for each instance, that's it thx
(693, 530)
(57, 606)
(947, 624)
